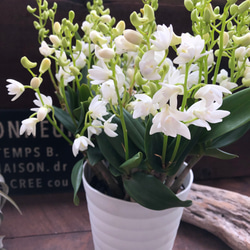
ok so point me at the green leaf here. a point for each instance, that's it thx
(84, 93)
(239, 106)
(64, 118)
(136, 130)
(76, 180)
(151, 193)
(131, 163)
(94, 155)
(219, 154)
(230, 137)
(108, 149)
(153, 147)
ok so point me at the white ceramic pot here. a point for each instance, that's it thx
(122, 225)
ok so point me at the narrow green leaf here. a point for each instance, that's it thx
(76, 180)
(64, 118)
(230, 137)
(131, 163)
(151, 193)
(219, 154)
(153, 147)
(136, 130)
(239, 106)
(84, 93)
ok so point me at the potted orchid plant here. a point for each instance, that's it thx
(140, 102)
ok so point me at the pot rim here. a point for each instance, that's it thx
(102, 195)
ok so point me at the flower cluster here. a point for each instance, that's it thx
(120, 85)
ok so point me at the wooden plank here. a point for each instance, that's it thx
(67, 241)
(45, 214)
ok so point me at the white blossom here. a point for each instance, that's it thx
(97, 108)
(190, 49)
(29, 126)
(99, 74)
(109, 128)
(95, 128)
(45, 50)
(64, 74)
(168, 121)
(108, 92)
(148, 66)
(46, 102)
(143, 106)
(123, 45)
(15, 88)
(81, 144)
(211, 93)
(206, 114)
(163, 37)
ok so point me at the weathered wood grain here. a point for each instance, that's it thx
(221, 212)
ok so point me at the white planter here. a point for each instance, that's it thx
(121, 225)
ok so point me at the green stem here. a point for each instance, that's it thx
(164, 151)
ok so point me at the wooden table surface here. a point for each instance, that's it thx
(52, 221)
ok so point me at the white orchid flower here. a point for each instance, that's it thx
(224, 80)
(143, 106)
(190, 49)
(109, 127)
(163, 37)
(99, 74)
(45, 50)
(46, 102)
(168, 92)
(86, 27)
(206, 114)
(41, 113)
(211, 93)
(29, 126)
(15, 88)
(123, 45)
(64, 74)
(168, 121)
(95, 128)
(80, 60)
(97, 108)
(108, 92)
(148, 66)
(81, 144)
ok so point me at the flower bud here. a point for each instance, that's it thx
(244, 6)
(55, 40)
(243, 40)
(106, 18)
(149, 13)
(74, 70)
(136, 20)
(57, 27)
(30, 9)
(120, 27)
(195, 15)
(150, 88)
(103, 28)
(139, 80)
(225, 39)
(97, 38)
(232, 1)
(71, 15)
(45, 65)
(36, 82)
(26, 63)
(41, 113)
(233, 9)
(133, 36)
(106, 53)
(189, 5)
(246, 81)
(78, 45)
